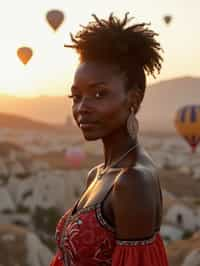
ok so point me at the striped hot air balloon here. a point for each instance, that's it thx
(187, 123)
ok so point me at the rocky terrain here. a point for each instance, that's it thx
(38, 184)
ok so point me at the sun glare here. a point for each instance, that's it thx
(31, 79)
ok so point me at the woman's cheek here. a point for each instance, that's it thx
(75, 114)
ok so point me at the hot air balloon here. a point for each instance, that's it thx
(187, 123)
(167, 19)
(74, 156)
(24, 54)
(55, 18)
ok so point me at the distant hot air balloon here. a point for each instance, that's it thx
(167, 19)
(74, 157)
(24, 54)
(187, 123)
(55, 18)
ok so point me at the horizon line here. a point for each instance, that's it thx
(61, 95)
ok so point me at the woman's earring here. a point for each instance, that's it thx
(132, 125)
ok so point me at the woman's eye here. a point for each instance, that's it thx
(75, 97)
(99, 94)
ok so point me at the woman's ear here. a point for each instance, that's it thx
(134, 98)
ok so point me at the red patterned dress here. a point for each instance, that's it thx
(84, 238)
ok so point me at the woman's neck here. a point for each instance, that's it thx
(117, 144)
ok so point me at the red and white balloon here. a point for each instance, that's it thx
(74, 157)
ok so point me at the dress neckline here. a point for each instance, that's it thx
(76, 212)
(83, 209)
(97, 207)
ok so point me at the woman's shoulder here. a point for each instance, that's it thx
(143, 174)
(139, 180)
(134, 201)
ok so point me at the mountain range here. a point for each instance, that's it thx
(163, 99)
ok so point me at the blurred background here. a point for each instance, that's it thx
(43, 157)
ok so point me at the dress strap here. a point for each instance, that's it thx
(99, 210)
(74, 208)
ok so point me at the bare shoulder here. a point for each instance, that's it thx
(138, 183)
(134, 201)
(143, 174)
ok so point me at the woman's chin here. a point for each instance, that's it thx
(90, 137)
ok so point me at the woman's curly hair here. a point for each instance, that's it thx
(133, 48)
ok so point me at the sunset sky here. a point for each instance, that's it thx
(50, 70)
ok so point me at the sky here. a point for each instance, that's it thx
(50, 70)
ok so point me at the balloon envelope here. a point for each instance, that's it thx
(74, 157)
(55, 18)
(24, 54)
(167, 19)
(187, 123)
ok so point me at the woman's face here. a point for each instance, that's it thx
(100, 100)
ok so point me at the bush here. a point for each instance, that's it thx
(45, 221)
(22, 209)
(187, 234)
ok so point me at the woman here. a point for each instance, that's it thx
(116, 220)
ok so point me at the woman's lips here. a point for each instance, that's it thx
(86, 125)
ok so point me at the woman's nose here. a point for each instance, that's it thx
(85, 105)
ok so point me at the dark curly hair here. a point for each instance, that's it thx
(133, 48)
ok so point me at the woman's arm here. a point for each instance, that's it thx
(134, 202)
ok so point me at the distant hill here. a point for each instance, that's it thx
(49, 109)
(156, 114)
(6, 147)
(19, 122)
(163, 99)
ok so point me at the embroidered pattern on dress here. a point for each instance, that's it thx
(104, 251)
(77, 214)
(136, 242)
(68, 247)
(71, 229)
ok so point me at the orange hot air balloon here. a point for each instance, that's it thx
(24, 54)
(74, 157)
(187, 123)
(167, 19)
(55, 18)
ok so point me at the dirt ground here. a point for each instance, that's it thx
(178, 250)
(179, 184)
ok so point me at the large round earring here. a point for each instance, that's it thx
(132, 124)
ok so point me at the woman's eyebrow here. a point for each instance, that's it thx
(90, 85)
(95, 84)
